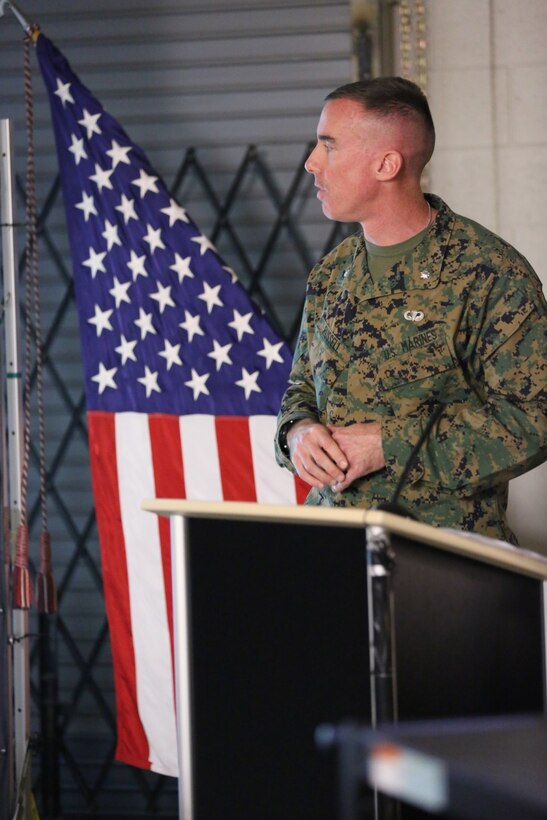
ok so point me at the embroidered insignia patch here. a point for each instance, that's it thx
(413, 315)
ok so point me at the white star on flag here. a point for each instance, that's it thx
(87, 205)
(153, 237)
(127, 208)
(136, 265)
(150, 381)
(101, 320)
(89, 122)
(248, 382)
(118, 153)
(210, 296)
(119, 292)
(197, 383)
(204, 243)
(233, 275)
(126, 350)
(174, 212)
(95, 262)
(241, 324)
(163, 296)
(145, 183)
(171, 354)
(182, 267)
(144, 322)
(221, 354)
(105, 378)
(101, 177)
(63, 92)
(271, 352)
(77, 148)
(110, 233)
(191, 325)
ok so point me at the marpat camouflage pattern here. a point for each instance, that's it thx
(461, 321)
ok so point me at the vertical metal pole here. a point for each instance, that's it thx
(20, 648)
(51, 804)
(381, 630)
(180, 553)
(6, 689)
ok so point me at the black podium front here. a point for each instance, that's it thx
(279, 644)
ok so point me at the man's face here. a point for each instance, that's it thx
(345, 160)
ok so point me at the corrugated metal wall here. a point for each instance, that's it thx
(216, 75)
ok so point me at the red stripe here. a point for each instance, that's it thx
(169, 482)
(132, 745)
(236, 458)
(302, 489)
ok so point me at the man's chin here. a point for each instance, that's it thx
(327, 211)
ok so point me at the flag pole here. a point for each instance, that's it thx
(19, 617)
(18, 14)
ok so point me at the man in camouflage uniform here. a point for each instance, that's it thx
(424, 315)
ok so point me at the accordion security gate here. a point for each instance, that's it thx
(72, 688)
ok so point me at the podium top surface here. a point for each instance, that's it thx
(471, 545)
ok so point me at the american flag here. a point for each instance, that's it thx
(183, 380)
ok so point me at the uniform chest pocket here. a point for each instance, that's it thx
(329, 358)
(410, 378)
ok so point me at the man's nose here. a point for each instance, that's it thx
(311, 163)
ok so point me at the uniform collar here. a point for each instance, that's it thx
(423, 274)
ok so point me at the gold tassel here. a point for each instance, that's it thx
(22, 595)
(46, 593)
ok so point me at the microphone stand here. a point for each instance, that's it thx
(381, 616)
(381, 630)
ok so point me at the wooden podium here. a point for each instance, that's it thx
(272, 613)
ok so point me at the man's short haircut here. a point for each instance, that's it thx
(390, 96)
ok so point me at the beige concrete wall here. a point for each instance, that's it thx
(487, 64)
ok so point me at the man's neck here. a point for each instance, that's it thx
(397, 222)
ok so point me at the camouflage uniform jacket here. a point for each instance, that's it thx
(462, 322)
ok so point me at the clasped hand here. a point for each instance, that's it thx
(335, 456)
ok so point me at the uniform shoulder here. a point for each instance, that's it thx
(492, 258)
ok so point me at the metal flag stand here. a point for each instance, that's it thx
(16, 779)
(16, 756)
(18, 679)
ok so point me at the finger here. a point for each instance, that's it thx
(340, 486)
(315, 459)
(335, 454)
(309, 477)
(316, 462)
(313, 439)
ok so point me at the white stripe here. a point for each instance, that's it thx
(155, 697)
(200, 458)
(274, 484)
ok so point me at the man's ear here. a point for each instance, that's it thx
(389, 165)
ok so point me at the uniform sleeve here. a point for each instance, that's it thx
(299, 401)
(499, 429)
